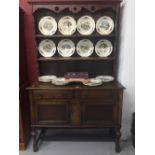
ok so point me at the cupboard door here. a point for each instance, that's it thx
(52, 112)
(96, 112)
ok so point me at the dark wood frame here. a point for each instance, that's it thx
(24, 109)
(78, 97)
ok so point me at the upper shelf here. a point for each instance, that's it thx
(74, 58)
(74, 36)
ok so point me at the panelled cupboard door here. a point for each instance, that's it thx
(51, 112)
(98, 112)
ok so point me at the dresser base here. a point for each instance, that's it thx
(76, 108)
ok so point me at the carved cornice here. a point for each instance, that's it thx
(73, 1)
(73, 8)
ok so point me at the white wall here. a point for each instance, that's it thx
(126, 74)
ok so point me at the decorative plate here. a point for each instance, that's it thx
(60, 81)
(86, 25)
(103, 48)
(47, 25)
(105, 25)
(46, 78)
(105, 78)
(67, 25)
(66, 48)
(93, 82)
(47, 48)
(85, 48)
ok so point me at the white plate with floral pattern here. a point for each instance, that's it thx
(66, 48)
(86, 25)
(67, 25)
(47, 25)
(46, 78)
(47, 48)
(103, 48)
(105, 25)
(93, 82)
(105, 78)
(85, 48)
(60, 81)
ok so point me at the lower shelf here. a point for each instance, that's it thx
(78, 135)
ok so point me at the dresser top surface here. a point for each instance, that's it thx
(74, 86)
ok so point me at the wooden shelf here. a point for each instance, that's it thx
(74, 36)
(74, 58)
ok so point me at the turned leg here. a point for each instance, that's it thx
(34, 136)
(117, 140)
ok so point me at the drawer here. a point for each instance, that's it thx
(96, 94)
(52, 94)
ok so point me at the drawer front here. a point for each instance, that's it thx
(97, 95)
(56, 94)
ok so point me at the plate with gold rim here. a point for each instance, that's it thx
(86, 25)
(103, 48)
(66, 48)
(85, 48)
(46, 78)
(47, 25)
(105, 78)
(105, 25)
(67, 25)
(93, 82)
(60, 81)
(47, 48)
